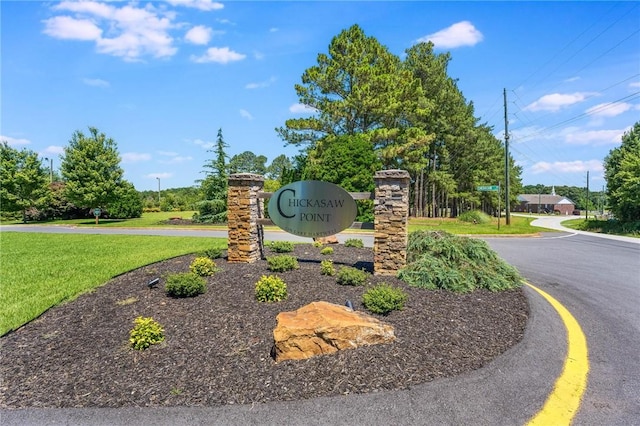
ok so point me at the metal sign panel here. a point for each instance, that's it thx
(488, 188)
(312, 208)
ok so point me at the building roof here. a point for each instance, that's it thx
(544, 199)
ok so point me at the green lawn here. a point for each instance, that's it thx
(630, 229)
(519, 226)
(39, 271)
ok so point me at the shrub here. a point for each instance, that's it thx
(326, 268)
(474, 216)
(354, 242)
(327, 250)
(210, 211)
(185, 284)
(437, 259)
(203, 266)
(281, 246)
(213, 253)
(317, 244)
(145, 333)
(128, 204)
(282, 263)
(383, 299)
(271, 289)
(351, 276)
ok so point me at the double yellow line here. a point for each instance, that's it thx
(564, 401)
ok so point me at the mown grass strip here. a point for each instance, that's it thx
(39, 271)
(519, 226)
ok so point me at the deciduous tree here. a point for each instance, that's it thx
(622, 172)
(24, 183)
(91, 169)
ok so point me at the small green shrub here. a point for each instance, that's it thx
(317, 244)
(185, 284)
(203, 266)
(354, 242)
(282, 263)
(326, 267)
(474, 216)
(351, 276)
(213, 253)
(281, 246)
(271, 289)
(326, 251)
(145, 333)
(383, 299)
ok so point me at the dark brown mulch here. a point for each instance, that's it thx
(217, 348)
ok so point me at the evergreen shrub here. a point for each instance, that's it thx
(203, 266)
(281, 246)
(475, 216)
(326, 267)
(326, 251)
(354, 242)
(271, 289)
(282, 263)
(185, 284)
(348, 275)
(384, 298)
(145, 333)
(439, 260)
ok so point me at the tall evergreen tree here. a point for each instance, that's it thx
(214, 185)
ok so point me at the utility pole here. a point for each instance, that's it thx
(506, 161)
(158, 191)
(586, 208)
(50, 168)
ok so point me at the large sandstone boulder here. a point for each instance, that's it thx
(323, 328)
(331, 239)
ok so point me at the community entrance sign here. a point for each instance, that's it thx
(312, 208)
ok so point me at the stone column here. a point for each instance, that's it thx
(391, 219)
(242, 217)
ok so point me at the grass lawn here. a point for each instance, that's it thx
(39, 271)
(519, 226)
(631, 229)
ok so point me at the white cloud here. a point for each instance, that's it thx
(53, 150)
(302, 109)
(206, 5)
(204, 144)
(261, 84)
(556, 101)
(635, 84)
(594, 137)
(135, 157)
(198, 35)
(176, 160)
(221, 55)
(66, 27)
(96, 82)
(159, 175)
(609, 109)
(168, 153)
(128, 32)
(571, 79)
(274, 30)
(246, 114)
(577, 166)
(457, 35)
(14, 141)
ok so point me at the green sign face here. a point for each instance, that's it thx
(312, 208)
(97, 212)
(488, 188)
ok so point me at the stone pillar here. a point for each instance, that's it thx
(391, 220)
(243, 210)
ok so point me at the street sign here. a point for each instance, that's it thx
(488, 188)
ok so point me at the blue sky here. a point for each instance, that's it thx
(161, 78)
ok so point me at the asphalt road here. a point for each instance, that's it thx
(596, 279)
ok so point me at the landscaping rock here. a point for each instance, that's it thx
(323, 328)
(331, 239)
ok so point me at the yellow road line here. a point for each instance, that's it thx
(564, 401)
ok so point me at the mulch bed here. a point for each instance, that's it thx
(217, 347)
